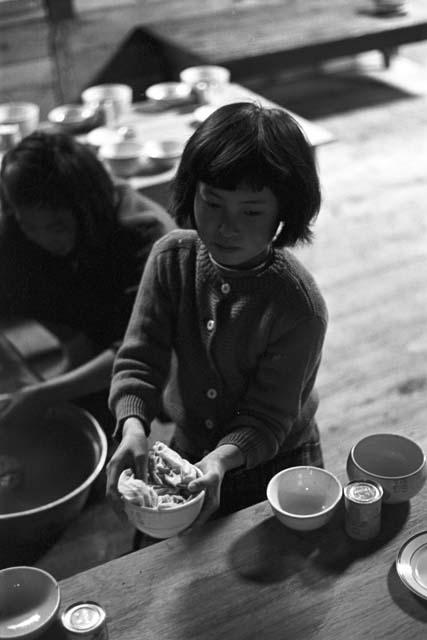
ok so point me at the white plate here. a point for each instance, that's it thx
(411, 564)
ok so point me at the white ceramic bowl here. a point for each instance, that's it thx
(304, 497)
(25, 114)
(29, 602)
(74, 117)
(168, 92)
(117, 96)
(163, 153)
(397, 463)
(123, 157)
(167, 522)
(207, 81)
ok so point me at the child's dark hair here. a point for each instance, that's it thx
(53, 171)
(246, 144)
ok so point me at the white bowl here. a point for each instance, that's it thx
(25, 114)
(73, 117)
(207, 81)
(116, 96)
(29, 602)
(304, 497)
(168, 92)
(163, 152)
(123, 157)
(397, 463)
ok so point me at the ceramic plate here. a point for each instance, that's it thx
(411, 564)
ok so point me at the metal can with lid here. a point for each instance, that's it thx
(85, 620)
(362, 501)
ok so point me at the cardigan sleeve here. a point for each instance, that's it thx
(277, 392)
(142, 362)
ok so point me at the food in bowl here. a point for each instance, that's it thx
(163, 506)
(29, 602)
(396, 462)
(304, 497)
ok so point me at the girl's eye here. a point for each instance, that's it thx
(250, 212)
(213, 205)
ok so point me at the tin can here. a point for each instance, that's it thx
(362, 500)
(85, 620)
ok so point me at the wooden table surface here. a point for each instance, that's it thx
(178, 123)
(247, 576)
(247, 38)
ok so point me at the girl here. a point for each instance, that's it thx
(72, 248)
(243, 317)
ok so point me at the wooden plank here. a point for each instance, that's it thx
(248, 40)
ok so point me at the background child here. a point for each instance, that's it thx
(72, 248)
(244, 318)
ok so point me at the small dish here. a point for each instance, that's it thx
(123, 157)
(74, 118)
(163, 153)
(169, 93)
(29, 602)
(101, 136)
(411, 564)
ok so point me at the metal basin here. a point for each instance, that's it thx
(46, 472)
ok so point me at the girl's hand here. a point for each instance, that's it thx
(132, 453)
(214, 466)
(26, 404)
(213, 474)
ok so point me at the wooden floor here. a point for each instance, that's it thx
(369, 257)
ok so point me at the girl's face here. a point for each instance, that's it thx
(54, 231)
(237, 226)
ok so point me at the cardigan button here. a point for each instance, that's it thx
(225, 288)
(212, 393)
(210, 325)
(209, 424)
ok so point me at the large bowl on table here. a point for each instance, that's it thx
(304, 497)
(47, 468)
(397, 463)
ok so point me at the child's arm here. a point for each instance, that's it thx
(275, 402)
(132, 453)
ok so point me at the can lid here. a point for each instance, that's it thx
(83, 616)
(363, 491)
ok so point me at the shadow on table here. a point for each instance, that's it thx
(271, 552)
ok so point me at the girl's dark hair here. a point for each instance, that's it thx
(246, 144)
(54, 171)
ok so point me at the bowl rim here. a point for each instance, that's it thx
(208, 68)
(150, 145)
(82, 487)
(377, 475)
(105, 85)
(185, 91)
(69, 106)
(109, 146)
(42, 623)
(305, 516)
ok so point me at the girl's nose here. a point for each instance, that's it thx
(228, 227)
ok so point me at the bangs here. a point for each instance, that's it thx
(244, 167)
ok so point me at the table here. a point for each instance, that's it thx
(264, 35)
(247, 576)
(151, 123)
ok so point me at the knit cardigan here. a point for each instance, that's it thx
(247, 344)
